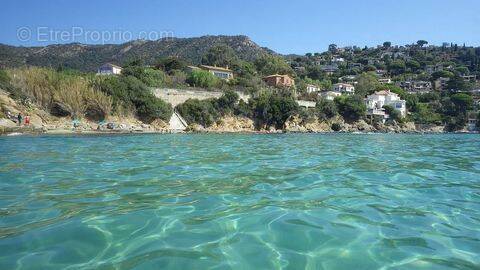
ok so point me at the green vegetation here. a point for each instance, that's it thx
(60, 93)
(206, 112)
(166, 66)
(131, 96)
(268, 109)
(272, 109)
(394, 114)
(202, 112)
(352, 108)
(326, 109)
(64, 93)
(202, 78)
(271, 64)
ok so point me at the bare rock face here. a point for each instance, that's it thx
(362, 126)
(159, 125)
(195, 128)
(233, 124)
(294, 124)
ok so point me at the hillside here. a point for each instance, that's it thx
(89, 57)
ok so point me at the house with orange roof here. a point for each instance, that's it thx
(278, 80)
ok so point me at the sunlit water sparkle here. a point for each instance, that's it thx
(286, 201)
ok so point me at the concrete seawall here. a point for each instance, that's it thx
(178, 96)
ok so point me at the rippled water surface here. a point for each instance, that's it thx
(240, 202)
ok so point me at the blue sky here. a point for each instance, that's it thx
(284, 26)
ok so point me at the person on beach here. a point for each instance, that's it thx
(27, 120)
(19, 118)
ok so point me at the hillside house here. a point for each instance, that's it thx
(469, 78)
(385, 80)
(376, 101)
(440, 84)
(380, 72)
(278, 80)
(433, 68)
(344, 88)
(329, 69)
(416, 86)
(109, 69)
(330, 95)
(220, 72)
(311, 88)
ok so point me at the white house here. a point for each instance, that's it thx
(337, 59)
(376, 101)
(344, 88)
(330, 95)
(109, 69)
(385, 80)
(312, 88)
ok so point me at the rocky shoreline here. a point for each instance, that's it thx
(44, 123)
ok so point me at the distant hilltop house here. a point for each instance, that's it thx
(344, 88)
(351, 79)
(109, 69)
(338, 59)
(416, 86)
(433, 68)
(469, 78)
(385, 80)
(380, 72)
(472, 121)
(376, 101)
(355, 65)
(220, 72)
(329, 69)
(440, 84)
(278, 80)
(330, 95)
(312, 88)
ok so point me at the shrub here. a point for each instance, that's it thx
(202, 112)
(149, 76)
(326, 109)
(150, 108)
(393, 113)
(352, 108)
(336, 127)
(273, 109)
(205, 112)
(178, 78)
(227, 102)
(202, 78)
(70, 93)
(61, 93)
(170, 64)
(243, 109)
(129, 92)
(6, 84)
(425, 114)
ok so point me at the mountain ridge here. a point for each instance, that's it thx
(87, 57)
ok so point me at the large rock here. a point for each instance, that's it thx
(233, 124)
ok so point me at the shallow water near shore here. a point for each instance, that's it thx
(237, 201)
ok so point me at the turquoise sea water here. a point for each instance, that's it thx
(289, 201)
